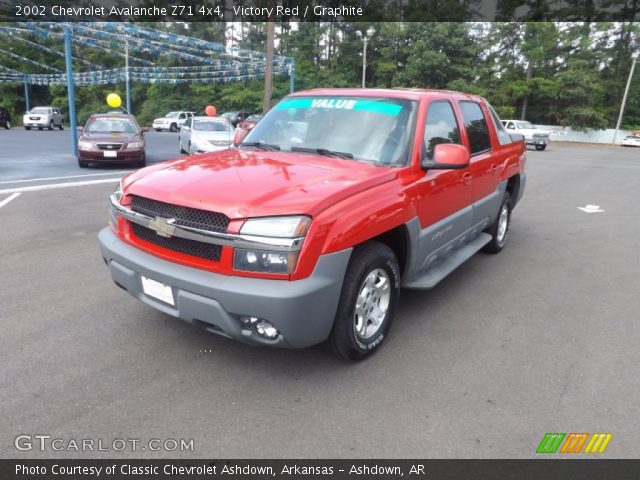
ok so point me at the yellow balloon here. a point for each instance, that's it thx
(114, 100)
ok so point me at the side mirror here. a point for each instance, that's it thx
(448, 156)
(240, 134)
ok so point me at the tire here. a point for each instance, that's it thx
(27, 128)
(158, 129)
(40, 128)
(61, 127)
(50, 127)
(540, 148)
(173, 127)
(82, 164)
(499, 231)
(356, 334)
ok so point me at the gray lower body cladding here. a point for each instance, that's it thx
(301, 310)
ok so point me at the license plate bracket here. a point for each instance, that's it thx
(157, 290)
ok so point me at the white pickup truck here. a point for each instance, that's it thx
(532, 136)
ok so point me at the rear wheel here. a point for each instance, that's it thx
(367, 302)
(500, 228)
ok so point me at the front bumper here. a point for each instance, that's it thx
(43, 122)
(536, 141)
(301, 310)
(123, 156)
(161, 126)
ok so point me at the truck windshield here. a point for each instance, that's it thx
(39, 110)
(525, 125)
(370, 129)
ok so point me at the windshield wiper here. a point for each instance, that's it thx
(264, 146)
(323, 151)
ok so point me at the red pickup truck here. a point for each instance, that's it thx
(306, 231)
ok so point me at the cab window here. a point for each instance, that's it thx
(476, 125)
(441, 127)
(503, 137)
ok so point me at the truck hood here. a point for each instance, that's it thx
(244, 183)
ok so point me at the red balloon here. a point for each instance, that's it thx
(210, 110)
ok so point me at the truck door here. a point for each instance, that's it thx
(444, 196)
(484, 164)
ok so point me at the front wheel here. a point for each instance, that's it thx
(367, 302)
(540, 148)
(50, 127)
(500, 228)
(61, 127)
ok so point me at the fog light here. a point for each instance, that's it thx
(267, 330)
(248, 320)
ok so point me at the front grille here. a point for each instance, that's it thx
(189, 217)
(540, 135)
(177, 244)
(109, 146)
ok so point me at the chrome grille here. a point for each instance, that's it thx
(186, 216)
(177, 244)
(109, 146)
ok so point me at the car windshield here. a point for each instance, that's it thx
(111, 125)
(370, 129)
(172, 115)
(39, 110)
(525, 125)
(212, 126)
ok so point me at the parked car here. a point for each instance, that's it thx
(532, 136)
(5, 118)
(235, 117)
(111, 138)
(631, 141)
(43, 117)
(172, 121)
(205, 134)
(305, 235)
(250, 122)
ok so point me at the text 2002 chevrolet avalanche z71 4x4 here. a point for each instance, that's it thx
(306, 232)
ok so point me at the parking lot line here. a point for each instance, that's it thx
(8, 199)
(51, 186)
(64, 178)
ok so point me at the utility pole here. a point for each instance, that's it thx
(268, 69)
(26, 94)
(71, 91)
(126, 73)
(634, 56)
(364, 60)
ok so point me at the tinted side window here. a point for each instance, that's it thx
(441, 127)
(511, 125)
(476, 125)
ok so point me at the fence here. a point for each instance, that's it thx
(567, 134)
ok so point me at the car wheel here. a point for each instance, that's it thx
(157, 129)
(7, 125)
(61, 127)
(499, 231)
(27, 128)
(82, 164)
(50, 125)
(174, 127)
(367, 302)
(540, 148)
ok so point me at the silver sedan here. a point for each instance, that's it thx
(205, 134)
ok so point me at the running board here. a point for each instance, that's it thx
(444, 267)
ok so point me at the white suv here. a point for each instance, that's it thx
(172, 121)
(43, 117)
(532, 136)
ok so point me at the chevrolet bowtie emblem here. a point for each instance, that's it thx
(163, 226)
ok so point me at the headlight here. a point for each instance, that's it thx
(83, 145)
(263, 261)
(283, 227)
(135, 145)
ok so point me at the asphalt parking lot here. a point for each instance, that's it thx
(540, 338)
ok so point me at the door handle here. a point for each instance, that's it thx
(466, 178)
(494, 168)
